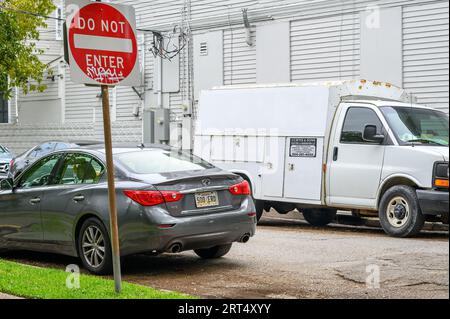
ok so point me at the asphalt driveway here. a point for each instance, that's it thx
(290, 259)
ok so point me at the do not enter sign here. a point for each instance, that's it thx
(102, 43)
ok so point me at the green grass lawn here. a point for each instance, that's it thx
(43, 283)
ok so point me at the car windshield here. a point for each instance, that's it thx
(413, 125)
(161, 161)
(4, 152)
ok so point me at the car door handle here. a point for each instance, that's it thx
(335, 154)
(35, 201)
(78, 198)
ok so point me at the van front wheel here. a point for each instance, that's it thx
(319, 217)
(399, 212)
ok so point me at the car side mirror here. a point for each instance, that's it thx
(7, 184)
(370, 134)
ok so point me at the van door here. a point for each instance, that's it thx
(355, 165)
(303, 168)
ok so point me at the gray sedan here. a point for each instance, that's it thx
(168, 201)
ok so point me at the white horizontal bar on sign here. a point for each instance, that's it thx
(93, 42)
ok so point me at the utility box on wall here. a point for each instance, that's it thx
(208, 61)
(161, 125)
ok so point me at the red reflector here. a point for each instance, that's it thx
(242, 188)
(152, 198)
(251, 214)
(170, 196)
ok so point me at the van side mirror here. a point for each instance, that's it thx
(370, 134)
(7, 184)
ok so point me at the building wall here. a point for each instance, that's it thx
(426, 53)
(325, 43)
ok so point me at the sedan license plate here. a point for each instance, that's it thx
(208, 199)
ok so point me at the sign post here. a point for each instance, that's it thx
(102, 50)
(114, 228)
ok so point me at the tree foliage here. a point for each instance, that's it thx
(19, 55)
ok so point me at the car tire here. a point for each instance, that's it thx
(319, 217)
(94, 236)
(213, 252)
(399, 212)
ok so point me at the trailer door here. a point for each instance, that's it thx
(273, 168)
(303, 168)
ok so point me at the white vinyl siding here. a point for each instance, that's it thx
(325, 48)
(325, 45)
(426, 53)
(239, 58)
(81, 101)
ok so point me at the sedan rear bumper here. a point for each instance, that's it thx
(192, 232)
(209, 239)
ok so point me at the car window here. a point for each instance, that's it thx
(40, 174)
(161, 161)
(355, 121)
(80, 169)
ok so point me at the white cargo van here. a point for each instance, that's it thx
(359, 146)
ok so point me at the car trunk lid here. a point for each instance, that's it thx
(203, 192)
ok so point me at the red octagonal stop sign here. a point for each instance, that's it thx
(102, 43)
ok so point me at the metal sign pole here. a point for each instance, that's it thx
(89, 66)
(111, 190)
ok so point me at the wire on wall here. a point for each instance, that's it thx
(164, 46)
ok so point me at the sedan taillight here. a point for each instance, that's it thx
(153, 198)
(243, 188)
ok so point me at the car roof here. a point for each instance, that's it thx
(122, 147)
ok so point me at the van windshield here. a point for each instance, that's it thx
(417, 126)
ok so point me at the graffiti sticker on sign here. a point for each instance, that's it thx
(102, 43)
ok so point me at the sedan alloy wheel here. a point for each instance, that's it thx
(93, 245)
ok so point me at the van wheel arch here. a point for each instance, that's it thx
(395, 181)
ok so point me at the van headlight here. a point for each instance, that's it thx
(440, 176)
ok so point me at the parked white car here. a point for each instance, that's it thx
(359, 146)
(5, 159)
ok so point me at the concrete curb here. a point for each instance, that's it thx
(6, 296)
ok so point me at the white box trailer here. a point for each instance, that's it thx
(286, 139)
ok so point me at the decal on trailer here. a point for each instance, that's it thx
(303, 147)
